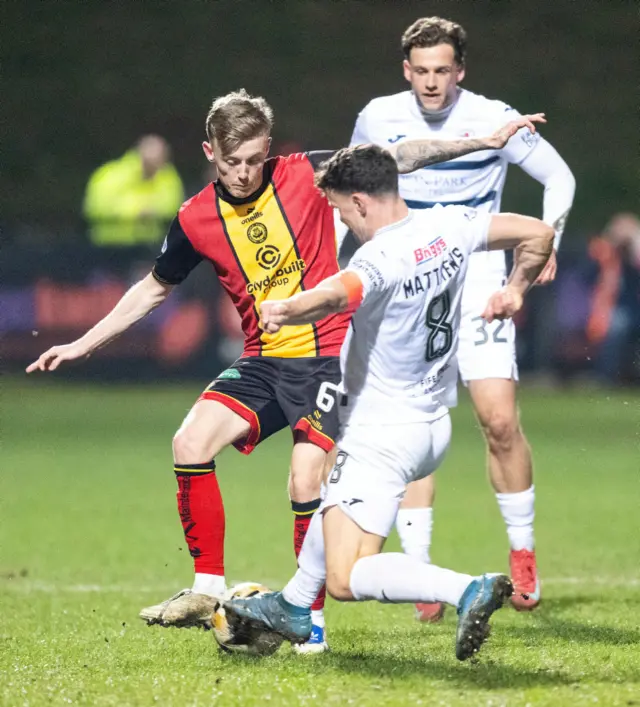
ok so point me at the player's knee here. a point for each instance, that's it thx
(501, 432)
(338, 586)
(304, 487)
(305, 480)
(190, 448)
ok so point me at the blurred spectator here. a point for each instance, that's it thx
(131, 200)
(613, 326)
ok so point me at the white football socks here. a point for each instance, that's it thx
(317, 617)
(518, 513)
(414, 528)
(395, 577)
(211, 584)
(303, 589)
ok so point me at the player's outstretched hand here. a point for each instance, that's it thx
(550, 269)
(272, 316)
(501, 137)
(51, 359)
(503, 304)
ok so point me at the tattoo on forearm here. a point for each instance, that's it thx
(414, 154)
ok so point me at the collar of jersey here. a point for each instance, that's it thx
(396, 224)
(225, 195)
(438, 116)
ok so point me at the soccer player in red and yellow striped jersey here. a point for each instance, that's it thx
(268, 233)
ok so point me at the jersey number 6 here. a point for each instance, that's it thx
(326, 398)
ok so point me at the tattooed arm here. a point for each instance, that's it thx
(415, 154)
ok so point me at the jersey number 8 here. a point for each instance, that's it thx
(440, 337)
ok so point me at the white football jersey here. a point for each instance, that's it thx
(475, 180)
(398, 359)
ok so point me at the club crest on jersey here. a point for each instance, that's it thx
(435, 248)
(257, 233)
(528, 138)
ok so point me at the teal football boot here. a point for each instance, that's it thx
(480, 599)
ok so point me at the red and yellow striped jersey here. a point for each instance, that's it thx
(278, 242)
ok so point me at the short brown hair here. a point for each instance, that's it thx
(431, 31)
(237, 117)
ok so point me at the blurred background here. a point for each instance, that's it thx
(97, 93)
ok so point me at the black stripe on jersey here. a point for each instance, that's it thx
(235, 257)
(295, 247)
(317, 157)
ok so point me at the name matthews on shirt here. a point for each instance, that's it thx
(435, 277)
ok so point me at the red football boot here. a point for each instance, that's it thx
(430, 612)
(524, 574)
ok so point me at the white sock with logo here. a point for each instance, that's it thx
(211, 584)
(303, 589)
(398, 578)
(414, 527)
(518, 512)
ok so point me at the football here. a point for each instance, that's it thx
(243, 639)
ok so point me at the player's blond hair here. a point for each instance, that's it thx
(431, 31)
(237, 117)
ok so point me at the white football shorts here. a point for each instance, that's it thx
(376, 462)
(485, 350)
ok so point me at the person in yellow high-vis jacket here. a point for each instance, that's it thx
(129, 201)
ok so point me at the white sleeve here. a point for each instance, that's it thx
(360, 136)
(469, 226)
(375, 268)
(522, 143)
(546, 166)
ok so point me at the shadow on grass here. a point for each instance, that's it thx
(573, 632)
(551, 622)
(486, 673)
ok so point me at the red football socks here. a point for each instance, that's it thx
(202, 515)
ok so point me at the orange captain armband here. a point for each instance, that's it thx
(355, 290)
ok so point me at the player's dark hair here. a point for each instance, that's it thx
(237, 117)
(431, 31)
(369, 169)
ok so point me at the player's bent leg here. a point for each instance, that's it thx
(208, 428)
(397, 578)
(288, 613)
(345, 543)
(415, 524)
(511, 471)
(308, 463)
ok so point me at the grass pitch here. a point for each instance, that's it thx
(89, 533)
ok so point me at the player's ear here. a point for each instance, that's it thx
(461, 73)
(360, 204)
(208, 151)
(406, 70)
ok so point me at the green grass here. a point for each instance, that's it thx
(89, 534)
